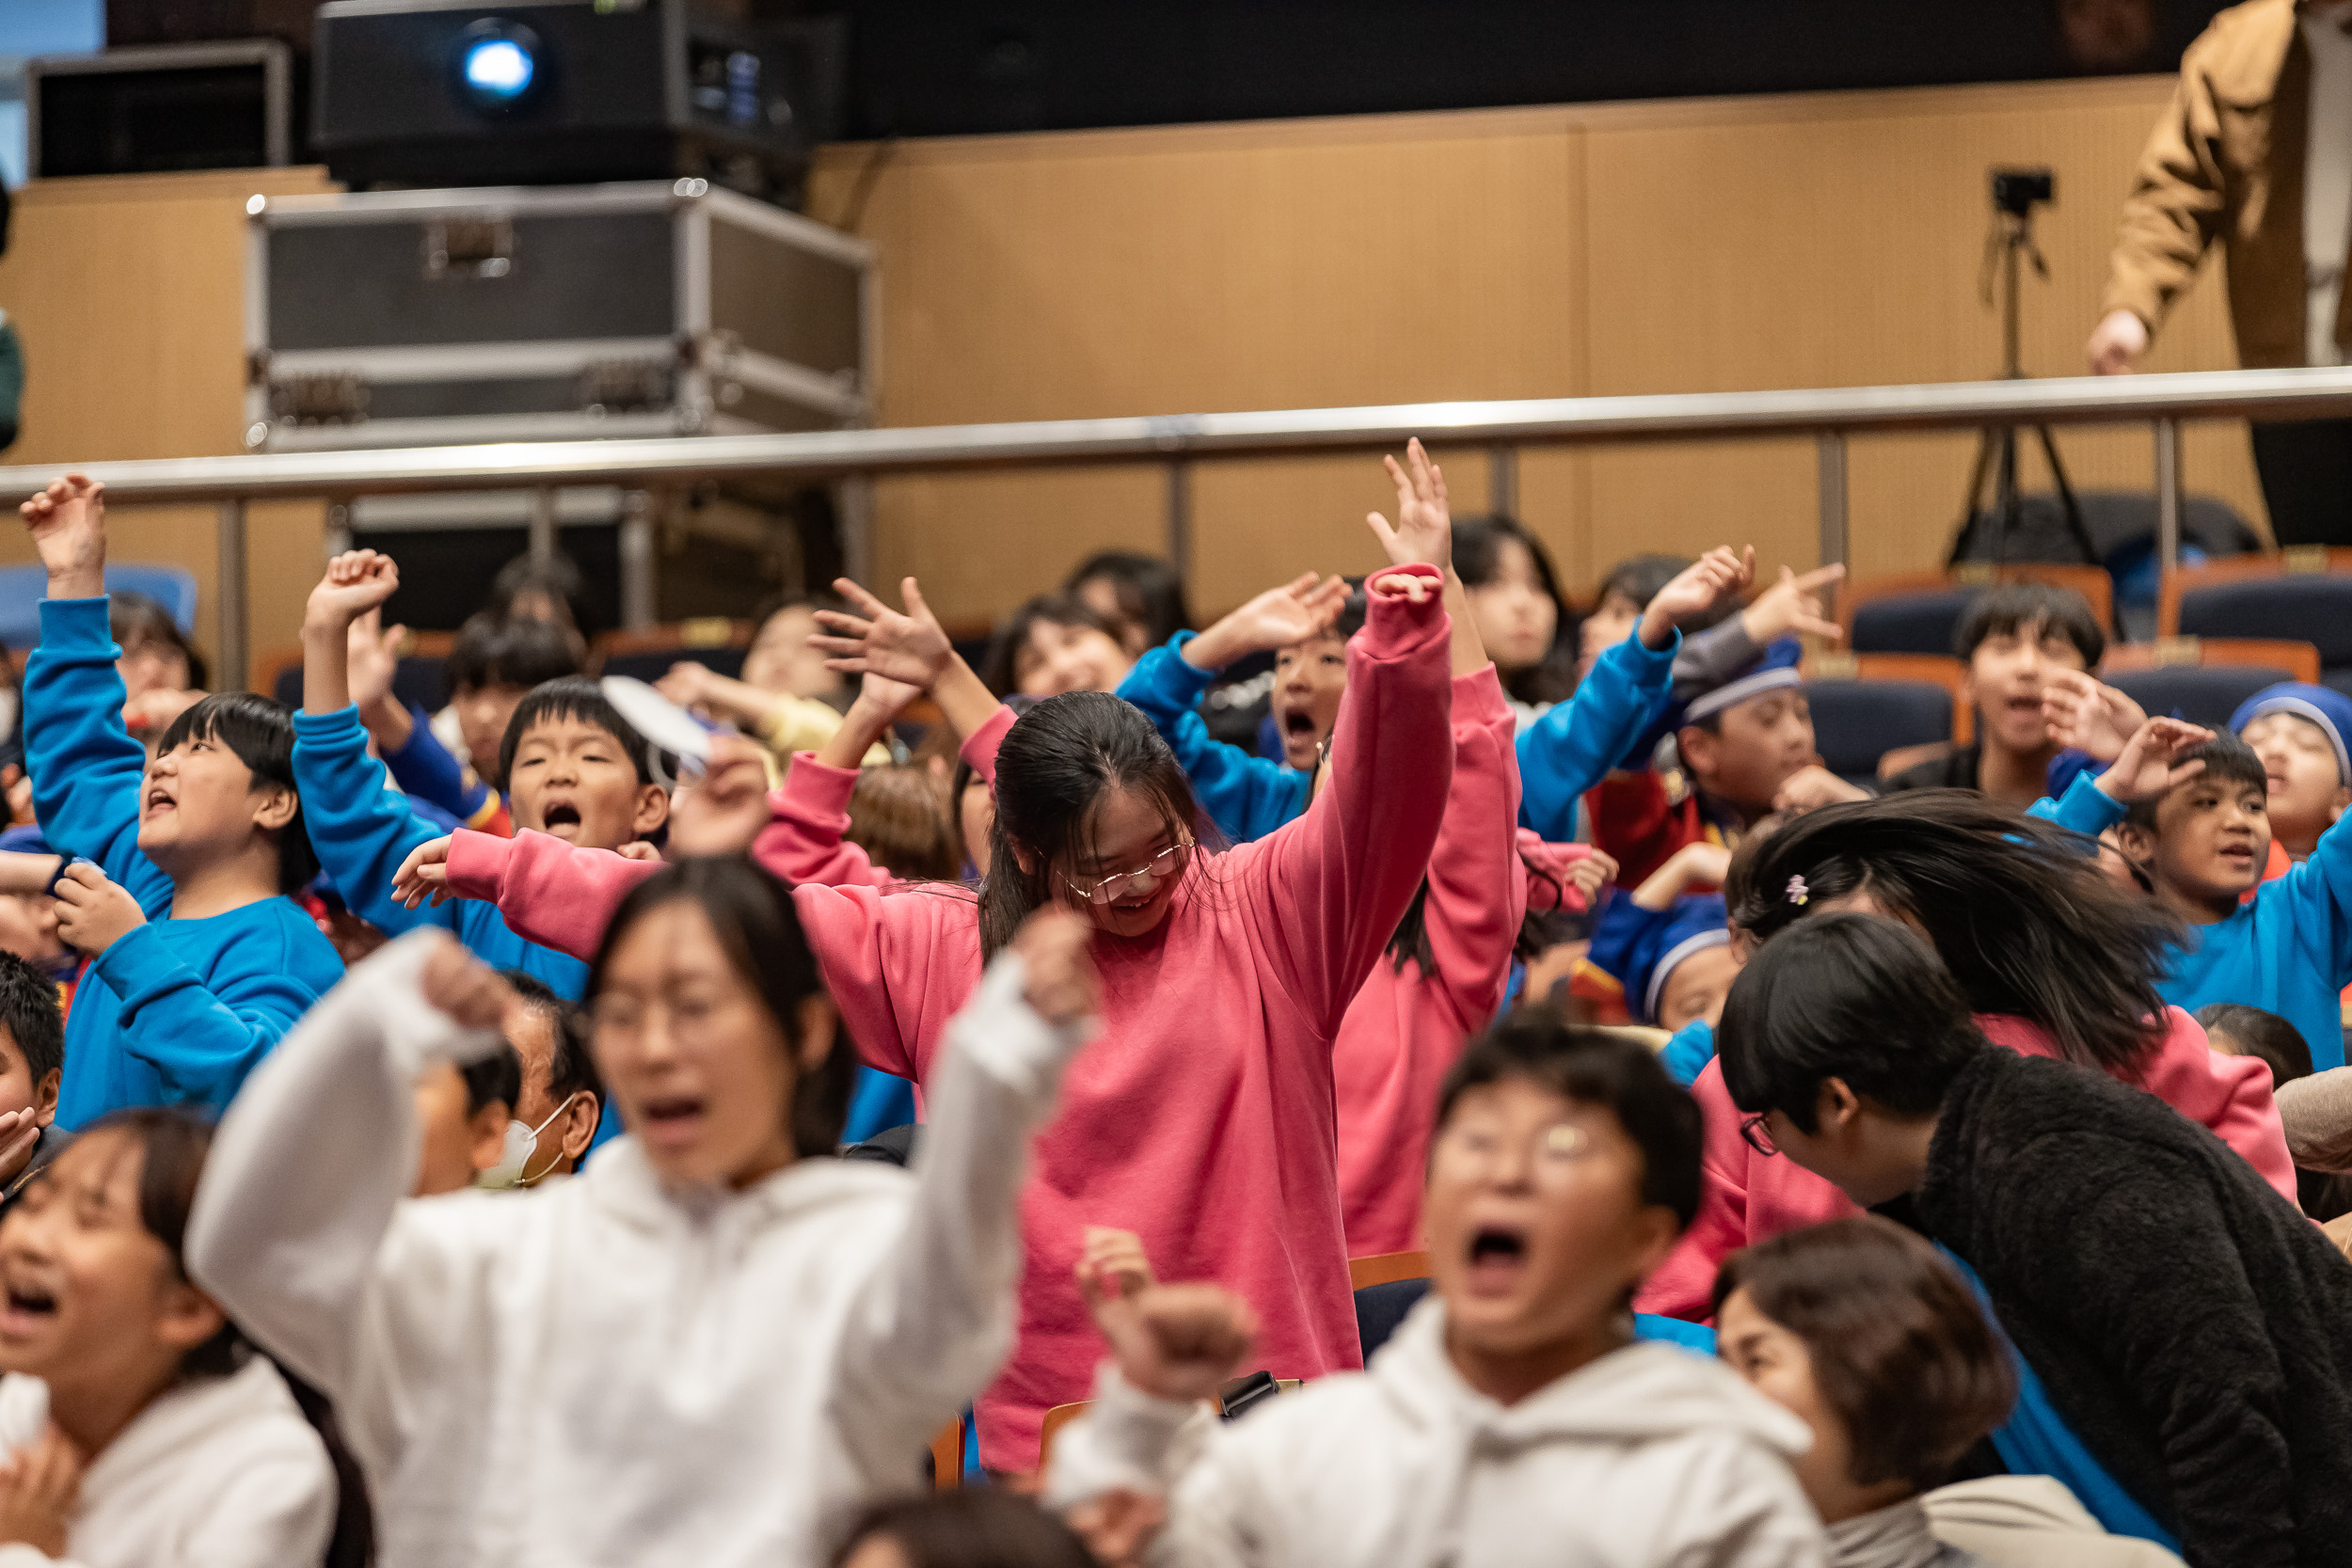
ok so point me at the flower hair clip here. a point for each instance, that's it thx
(1798, 892)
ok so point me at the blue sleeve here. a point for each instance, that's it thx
(361, 827)
(200, 1039)
(86, 768)
(427, 772)
(2318, 896)
(1687, 1055)
(1574, 747)
(1247, 796)
(2086, 808)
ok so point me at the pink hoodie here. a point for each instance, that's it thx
(1405, 1028)
(1205, 1117)
(1746, 1197)
(802, 843)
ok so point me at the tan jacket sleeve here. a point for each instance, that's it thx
(2175, 208)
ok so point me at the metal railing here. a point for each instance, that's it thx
(1831, 416)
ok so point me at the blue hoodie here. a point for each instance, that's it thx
(178, 1011)
(1561, 755)
(2287, 950)
(363, 829)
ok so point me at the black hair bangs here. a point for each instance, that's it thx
(580, 698)
(260, 733)
(2013, 608)
(491, 652)
(2228, 760)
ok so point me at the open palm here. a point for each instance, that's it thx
(1282, 617)
(910, 647)
(1424, 532)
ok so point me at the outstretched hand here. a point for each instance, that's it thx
(1423, 533)
(911, 647)
(2150, 763)
(2089, 715)
(1721, 574)
(1304, 608)
(424, 875)
(375, 657)
(68, 522)
(1794, 603)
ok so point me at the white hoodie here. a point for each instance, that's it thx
(220, 1472)
(608, 1371)
(1650, 1456)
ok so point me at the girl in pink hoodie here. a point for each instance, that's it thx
(2055, 960)
(1206, 1122)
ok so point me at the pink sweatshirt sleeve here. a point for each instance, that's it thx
(1551, 891)
(1477, 892)
(1683, 1286)
(549, 892)
(979, 748)
(1325, 892)
(898, 963)
(2230, 1095)
(806, 819)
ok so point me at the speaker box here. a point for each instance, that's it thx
(159, 109)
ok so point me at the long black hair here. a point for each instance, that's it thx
(1055, 760)
(751, 912)
(2016, 907)
(1478, 561)
(1410, 940)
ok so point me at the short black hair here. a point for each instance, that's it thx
(1595, 1067)
(260, 733)
(968, 1526)
(490, 651)
(999, 669)
(2010, 607)
(573, 697)
(1848, 996)
(134, 618)
(557, 576)
(2260, 1033)
(496, 1077)
(572, 1070)
(1151, 594)
(2228, 760)
(30, 1013)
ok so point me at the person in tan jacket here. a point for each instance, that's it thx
(2255, 151)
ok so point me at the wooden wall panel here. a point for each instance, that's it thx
(127, 292)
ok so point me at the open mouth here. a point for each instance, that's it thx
(560, 816)
(1298, 724)
(158, 799)
(1497, 1255)
(672, 1120)
(27, 1309)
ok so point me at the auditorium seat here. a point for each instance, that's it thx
(1920, 614)
(1866, 705)
(2303, 594)
(23, 587)
(713, 642)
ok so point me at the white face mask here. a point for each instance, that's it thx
(521, 1144)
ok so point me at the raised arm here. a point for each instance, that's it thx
(549, 892)
(1325, 891)
(1574, 747)
(292, 1227)
(1247, 796)
(1477, 892)
(86, 770)
(934, 1321)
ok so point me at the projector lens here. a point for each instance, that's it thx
(498, 65)
(498, 68)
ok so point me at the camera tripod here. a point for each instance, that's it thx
(2011, 238)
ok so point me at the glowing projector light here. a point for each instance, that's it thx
(498, 71)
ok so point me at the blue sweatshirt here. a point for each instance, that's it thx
(1568, 751)
(426, 774)
(363, 829)
(178, 1011)
(1578, 743)
(2288, 950)
(1248, 797)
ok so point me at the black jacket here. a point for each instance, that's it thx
(2192, 1327)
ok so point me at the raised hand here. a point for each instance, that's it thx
(1721, 574)
(1115, 1261)
(39, 1489)
(424, 875)
(1794, 603)
(470, 991)
(1811, 787)
(687, 684)
(68, 522)
(1061, 983)
(2089, 716)
(356, 581)
(1177, 1343)
(94, 912)
(1588, 874)
(1280, 617)
(2150, 762)
(725, 810)
(910, 647)
(375, 658)
(1423, 533)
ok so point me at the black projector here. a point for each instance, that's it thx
(430, 93)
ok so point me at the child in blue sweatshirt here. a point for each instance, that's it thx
(574, 769)
(173, 871)
(1307, 624)
(2190, 809)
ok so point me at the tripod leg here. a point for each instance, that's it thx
(2066, 498)
(1977, 476)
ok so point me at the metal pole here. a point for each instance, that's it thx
(853, 506)
(637, 563)
(230, 637)
(1502, 481)
(1180, 519)
(2169, 494)
(543, 525)
(1830, 448)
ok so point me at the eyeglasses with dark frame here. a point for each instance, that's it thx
(1757, 1136)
